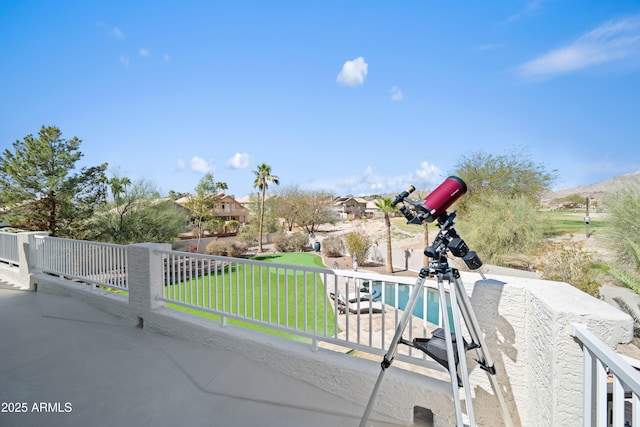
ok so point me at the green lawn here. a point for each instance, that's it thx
(276, 296)
(560, 222)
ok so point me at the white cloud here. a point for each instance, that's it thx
(167, 58)
(427, 176)
(369, 182)
(530, 8)
(144, 52)
(201, 165)
(396, 94)
(180, 164)
(124, 60)
(611, 41)
(354, 72)
(239, 161)
(116, 33)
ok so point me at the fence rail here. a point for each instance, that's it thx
(329, 306)
(99, 264)
(9, 248)
(611, 385)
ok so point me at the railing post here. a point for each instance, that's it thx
(27, 258)
(145, 276)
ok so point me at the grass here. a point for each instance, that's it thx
(276, 296)
(560, 222)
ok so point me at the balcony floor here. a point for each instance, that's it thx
(76, 358)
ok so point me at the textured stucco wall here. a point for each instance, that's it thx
(527, 329)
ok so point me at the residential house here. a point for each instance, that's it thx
(350, 207)
(227, 208)
(230, 209)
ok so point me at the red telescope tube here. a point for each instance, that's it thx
(443, 196)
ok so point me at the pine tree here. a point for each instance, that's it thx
(39, 189)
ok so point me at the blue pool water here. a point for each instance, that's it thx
(432, 305)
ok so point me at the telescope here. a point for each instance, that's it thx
(434, 207)
(447, 344)
(435, 204)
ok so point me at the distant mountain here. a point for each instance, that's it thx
(597, 190)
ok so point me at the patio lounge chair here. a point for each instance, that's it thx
(363, 304)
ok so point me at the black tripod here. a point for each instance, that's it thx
(441, 344)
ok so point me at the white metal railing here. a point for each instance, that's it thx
(320, 305)
(611, 390)
(9, 248)
(99, 264)
(297, 301)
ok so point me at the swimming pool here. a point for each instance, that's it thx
(397, 295)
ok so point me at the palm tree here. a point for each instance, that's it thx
(124, 181)
(116, 188)
(263, 177)
(384, 204)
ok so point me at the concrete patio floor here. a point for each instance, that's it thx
(83, 367)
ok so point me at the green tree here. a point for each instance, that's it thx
(202, 205)
(248, 233)
(261, 182)
(39, 188)
(233, 225)
(384, 204)
(138, 214)
(507, 175)
(503, 195)
(118, 186)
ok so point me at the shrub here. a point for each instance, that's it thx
(501, 227)
(573, 266)
(281, 243)
(296, 242)
(248, 235)
(624, 228)
(300, 241)
(332, 247)
(237, 249)
(358, 242)
(216, 247)
(226, 248)
(624, 235)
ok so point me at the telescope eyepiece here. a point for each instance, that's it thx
(400, 197)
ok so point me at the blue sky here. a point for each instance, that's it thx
(353, 97)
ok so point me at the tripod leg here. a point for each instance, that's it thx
(484, 358)
(372, 399)
(453, 374)
(464, 373)
(393, 347)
